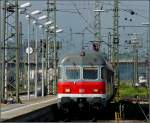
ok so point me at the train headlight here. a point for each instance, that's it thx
(67, 90)
(81, 90)
(95, 90)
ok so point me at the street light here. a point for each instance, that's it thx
(29, 19)
(42, 17)
(53, 27)
(36, 56)
(36, 12)
(36, 49)
(48, 23)
(59, 31)
(25, 5)
(28, 91)
(42, 28)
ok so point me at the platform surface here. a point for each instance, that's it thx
(8, 111)
(122, 121)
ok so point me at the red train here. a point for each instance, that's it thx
(85, 79)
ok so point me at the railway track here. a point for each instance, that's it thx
(108, 114)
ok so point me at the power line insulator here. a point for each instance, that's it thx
(132, 12)
(130, 19)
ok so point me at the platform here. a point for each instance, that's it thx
(9, 111)
(122, 121)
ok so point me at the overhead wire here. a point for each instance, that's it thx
(81, 15)
(89, 25)
(126, 10)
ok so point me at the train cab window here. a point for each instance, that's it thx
(90, 73)
(72, 73)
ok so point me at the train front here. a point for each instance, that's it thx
(81, 82)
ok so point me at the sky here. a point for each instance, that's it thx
(77, 15)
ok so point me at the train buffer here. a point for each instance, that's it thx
(10, 111)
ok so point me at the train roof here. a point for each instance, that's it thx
(90, 58)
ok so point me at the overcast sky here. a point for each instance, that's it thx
(68, 18)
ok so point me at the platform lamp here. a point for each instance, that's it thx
(55, 59)
(43, 27)
(36, 50)
(29, 50)
(42, 60)
(25, 5)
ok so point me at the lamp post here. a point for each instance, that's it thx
(1, 51)
(42, 29)
(36, 57)
(29, 49)
(17, 50)
(149, 62)
(28, 91)
(46, 24)
(24, 6)
(36, 51)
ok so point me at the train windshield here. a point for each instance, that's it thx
(72, 73)
(90, 73)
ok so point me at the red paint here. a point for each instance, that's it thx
(86, 87)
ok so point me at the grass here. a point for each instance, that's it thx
(130, 91)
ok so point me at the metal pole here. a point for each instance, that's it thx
(134, 64)
(47, 51)
(135, 48)
(17, 50)
(28, 91)
(0, 56)
(97, 22)
(3, 39)
(21, 54)
(36, 59)
(6, 53)
(42, 62)
(149, 62)
(136, 74)
(128, 65)
(55, 51)
(115, 58)
(109, 46)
